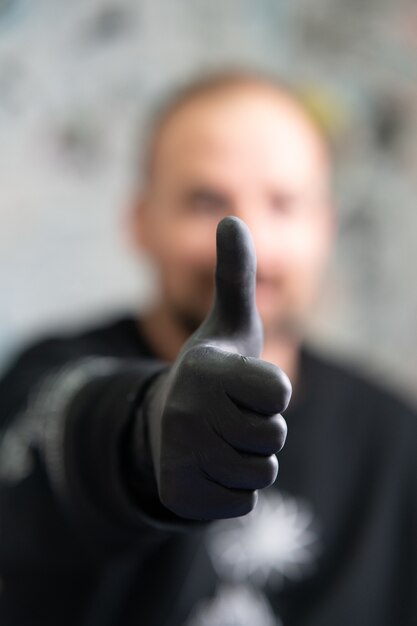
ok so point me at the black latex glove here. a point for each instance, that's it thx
(214, 419)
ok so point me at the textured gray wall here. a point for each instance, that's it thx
(76, 81)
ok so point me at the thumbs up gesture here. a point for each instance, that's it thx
(214, 420)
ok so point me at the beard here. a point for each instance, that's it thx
(285, 325)
(189, 321)
(288, 327)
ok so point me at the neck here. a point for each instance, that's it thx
(165, 337)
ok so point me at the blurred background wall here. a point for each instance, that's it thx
(77, 80)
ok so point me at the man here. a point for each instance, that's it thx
(137, 459)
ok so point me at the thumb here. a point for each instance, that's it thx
(233, 322)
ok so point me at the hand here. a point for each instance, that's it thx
(214, 420)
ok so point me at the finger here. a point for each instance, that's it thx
(234, 317)
(202, 498)
(235, 271)
(250, 432)
(218, 502)
(237, 470)
(255, 384)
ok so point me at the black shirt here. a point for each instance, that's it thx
(333, 542)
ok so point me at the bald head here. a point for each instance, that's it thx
(228, 89)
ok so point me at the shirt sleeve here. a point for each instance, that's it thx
(64, 496)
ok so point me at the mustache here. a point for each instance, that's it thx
(206, 280)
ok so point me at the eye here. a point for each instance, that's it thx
(283, 203)
(207, 201)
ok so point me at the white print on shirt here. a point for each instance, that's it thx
(238, 605)
(39, 423)
(278, 540)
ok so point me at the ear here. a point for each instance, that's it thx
(329, 228)
(332, 224)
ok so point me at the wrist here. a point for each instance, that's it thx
(141, 473)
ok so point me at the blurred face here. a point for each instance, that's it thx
(253, 155)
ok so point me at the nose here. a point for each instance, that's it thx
(266, 240)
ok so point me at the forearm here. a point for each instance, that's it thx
(84, 444)
(139, 467)
(62, 478)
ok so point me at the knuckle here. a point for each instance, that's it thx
(285, 389)
(280, 378)
(201, 359)
(260, 473)
(266, 472)
(244, 360)
(264, 435)
(279, 431)
(191, 360)
(271, 470)
(246, 504)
